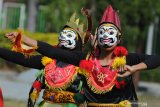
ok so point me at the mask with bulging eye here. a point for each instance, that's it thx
(67, 38)
(107, 35)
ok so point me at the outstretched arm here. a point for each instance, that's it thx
(138, 62)
(26, 40)
(71, 57)
(152, 61)
(48, 50)
(18, 58)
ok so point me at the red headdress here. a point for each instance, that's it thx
(111, 16)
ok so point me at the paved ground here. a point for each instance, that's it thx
(16, 86)
(150, 88)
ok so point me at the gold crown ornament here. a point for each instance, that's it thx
(75, 25)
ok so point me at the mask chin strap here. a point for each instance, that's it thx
(119, 38)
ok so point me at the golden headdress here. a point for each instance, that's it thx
(74, 24)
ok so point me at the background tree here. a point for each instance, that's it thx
(136, 15)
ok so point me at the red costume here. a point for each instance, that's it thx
(1, 98)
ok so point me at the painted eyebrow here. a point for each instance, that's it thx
(108, 28)
(113, 27)
(71, 31)
(102, 28)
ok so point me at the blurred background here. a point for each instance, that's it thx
(43, 19)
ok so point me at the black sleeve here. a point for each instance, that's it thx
(152, 61)
(18, 58)
(71, 57)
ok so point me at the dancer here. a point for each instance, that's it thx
(108, 70)
(60, 77)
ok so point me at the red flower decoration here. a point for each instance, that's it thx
(117, 85)
(120, 51)
(37, 85)
(82, 92)
(120, 84)
(86, 65)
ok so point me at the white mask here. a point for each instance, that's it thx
(67, 38)
(107, 35)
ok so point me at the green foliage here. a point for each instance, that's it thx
(151, 75)
(58, 13)
(15, 14)
(51, 38)
(136, 15)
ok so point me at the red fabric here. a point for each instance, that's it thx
(98, 69)
(86, 65)
(18, 48)
(37, 85)
(117, 20)
(111, 16)
(101, 78)
(1, 98)
(120, 84)
(18, 40)
(58, 77)
(120, 51)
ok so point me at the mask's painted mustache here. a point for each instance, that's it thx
(65, 41)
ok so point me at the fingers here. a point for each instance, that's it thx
(124, 74)
(93, 39)
(11, 36)
(122, 69)
(95, 36)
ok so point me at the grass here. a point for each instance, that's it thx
(12, 103)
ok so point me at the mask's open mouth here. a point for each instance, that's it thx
(62, 41)
(108, 40)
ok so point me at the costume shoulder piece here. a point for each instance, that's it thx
(99, 79)
(58, 78)
(102, 79)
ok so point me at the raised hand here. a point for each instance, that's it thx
(126, 71)
(132, 69)
(93, 41)
(11, 36)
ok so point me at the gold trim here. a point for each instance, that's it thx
(124, 103)
(62, 104)
(102, 105)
